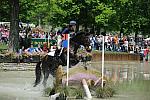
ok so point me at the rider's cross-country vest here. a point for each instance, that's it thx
(65, 37)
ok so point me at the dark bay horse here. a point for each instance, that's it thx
(81, 38)
(49, 64)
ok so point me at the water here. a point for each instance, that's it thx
(133, 78)
(123, 70)
(18, 85)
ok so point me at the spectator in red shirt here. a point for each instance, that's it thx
(45, 48)
(146, 51)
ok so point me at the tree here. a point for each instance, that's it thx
(14, 26)
(4, 11)
(127, 16)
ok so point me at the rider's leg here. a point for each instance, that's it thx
(61, 51)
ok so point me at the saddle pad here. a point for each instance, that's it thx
(51, 53)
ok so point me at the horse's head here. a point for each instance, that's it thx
(79, 39)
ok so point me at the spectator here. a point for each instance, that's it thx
(106, 42)
(0, 35)
(115, 43)
(126, 45)
(21, 51)
(59, 40)
(99, 41)
(39, 49)
(93, 42)
(45, 48)
(20, 54)
(4, 36)
(146, 52)
(30, 50)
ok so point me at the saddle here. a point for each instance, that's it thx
(53, 52)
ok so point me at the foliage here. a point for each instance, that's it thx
(4, 11)
(47, 91)
(3, 46)
(79, 93)
(104, 92)
(125, 16)
(70, 91)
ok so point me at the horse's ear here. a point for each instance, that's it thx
(83, 33)
(87, 33)
(103, 33)
(80, 32)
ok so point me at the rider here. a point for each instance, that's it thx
(69, 30)
(64, 43)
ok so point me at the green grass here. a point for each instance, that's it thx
(3, 46)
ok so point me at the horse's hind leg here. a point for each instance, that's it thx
(37, 74)
(46, 75)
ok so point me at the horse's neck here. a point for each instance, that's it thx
(74, 46)
(72, 58)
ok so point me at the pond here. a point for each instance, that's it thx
(133, 79)
(18, 85)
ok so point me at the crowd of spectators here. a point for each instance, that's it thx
(111, 42)
(27, 46)
(127, 44)
(4, 33)
(117, 44)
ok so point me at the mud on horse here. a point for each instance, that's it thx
(49, 64)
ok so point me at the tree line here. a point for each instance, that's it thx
(124, 16)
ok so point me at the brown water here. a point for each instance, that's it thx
(133, 78)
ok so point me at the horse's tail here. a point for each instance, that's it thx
(37, 74)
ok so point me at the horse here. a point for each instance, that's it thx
(81, 38)
(49, 64)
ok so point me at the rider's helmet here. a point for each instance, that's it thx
(72, 26)
(72, 23)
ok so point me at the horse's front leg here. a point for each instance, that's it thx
(57, 78)
(76, 47)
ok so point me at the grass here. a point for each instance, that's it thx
(105, 92)
(70, 91)
(3, 47)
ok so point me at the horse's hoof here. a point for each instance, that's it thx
(34, 85)
(85, 68)
(52, 92)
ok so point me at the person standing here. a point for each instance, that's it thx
(59, 40)
(146, 52)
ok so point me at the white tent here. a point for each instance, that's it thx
(24, 24)
(147, 39)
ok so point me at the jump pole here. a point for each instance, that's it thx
(102, 62)
(48, 40)
(68, 58)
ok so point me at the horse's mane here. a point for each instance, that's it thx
(80, 33)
